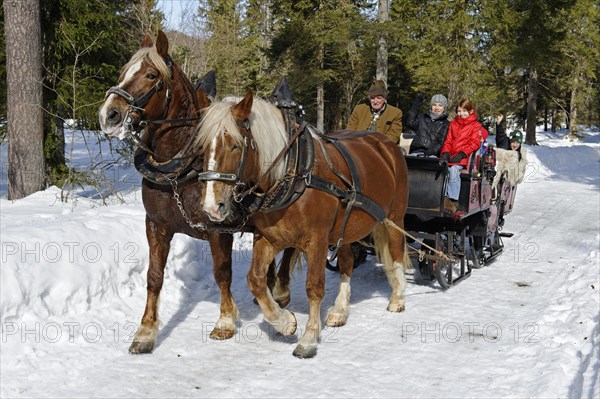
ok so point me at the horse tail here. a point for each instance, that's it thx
(294, 261)
(381, 238)
(406, 262)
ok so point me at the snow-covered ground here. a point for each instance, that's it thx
(73, 292)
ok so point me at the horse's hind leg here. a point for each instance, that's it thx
(159, 243)
(281, 287)
(338, 314)
(221, 247)
(391, 247)
(315, 290)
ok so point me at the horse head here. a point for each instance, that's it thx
(240, 138)
(155, 104)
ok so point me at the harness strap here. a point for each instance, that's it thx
(352, 197)
(139, 102)
(247, 192)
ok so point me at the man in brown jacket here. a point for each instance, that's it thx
(377, 114)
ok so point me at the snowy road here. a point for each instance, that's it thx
(528, 325)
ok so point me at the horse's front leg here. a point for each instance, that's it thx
(263, 254)
(159, 243)
(221, 247)
(315, 290)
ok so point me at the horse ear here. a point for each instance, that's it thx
(147, 42)
(162, 44)
(242, 110)
(203, 100)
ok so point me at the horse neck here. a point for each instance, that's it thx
(168, 139)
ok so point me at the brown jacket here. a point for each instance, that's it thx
(389, 122)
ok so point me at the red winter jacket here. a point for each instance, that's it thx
(464, 135)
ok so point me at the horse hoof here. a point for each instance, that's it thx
(305, 352)
(141, 347)
(335, 320)
(221, 334)
(287, 323)
(395, 307)
(290, 328)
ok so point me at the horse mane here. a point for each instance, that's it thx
(266, 122)
(150, 55)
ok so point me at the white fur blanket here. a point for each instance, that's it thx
(508, 164)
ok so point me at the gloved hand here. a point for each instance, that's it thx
(419, 100)
(430, 152)
(458, 157)
(445, 156)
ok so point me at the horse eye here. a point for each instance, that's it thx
(150, 76)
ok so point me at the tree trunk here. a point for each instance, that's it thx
(532, 94)
(24, 96)
(320, 107)
(573, 133)
(382, 48)
(321, 91)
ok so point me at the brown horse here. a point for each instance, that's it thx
(244, 143)
(156, 105)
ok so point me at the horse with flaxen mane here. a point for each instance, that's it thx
(156, 105)
(350, 185)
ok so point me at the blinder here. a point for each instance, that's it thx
(234, 178)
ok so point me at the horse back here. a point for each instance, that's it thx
(378, 161)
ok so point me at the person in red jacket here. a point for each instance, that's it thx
(465, 136)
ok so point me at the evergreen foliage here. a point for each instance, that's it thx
(536, 60)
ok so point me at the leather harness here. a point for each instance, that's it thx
(299, 174)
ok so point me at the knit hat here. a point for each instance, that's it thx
(517, 135)
(377, 89)
(439, 99)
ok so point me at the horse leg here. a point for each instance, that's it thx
(315, 290)
(391, 245)
(159, 243)
(281, 288)
(263, 254)
(338, 314)
(220, 247)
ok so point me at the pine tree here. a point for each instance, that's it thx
(580, 58)
(441, 43)
(321, 44)
(85, 44)
(224, 51)
(536, 33)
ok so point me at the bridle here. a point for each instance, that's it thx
(245, 192)
(145, 158)
(234, 178)
(133, 126)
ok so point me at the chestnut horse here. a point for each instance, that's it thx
(156, 105)
(244, 143)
